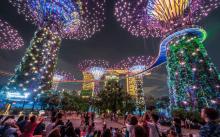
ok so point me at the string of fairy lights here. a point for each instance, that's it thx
(56, 19)
(175, 20)
(10, 39)
(92, 64)
(73, 19)
(156, 18)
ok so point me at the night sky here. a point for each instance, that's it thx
(112, 44)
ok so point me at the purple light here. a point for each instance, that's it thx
(9, 37)
(157, 17)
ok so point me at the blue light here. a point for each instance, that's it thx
(161, 58)
(97, 72)
(137, 68)
(59, 12)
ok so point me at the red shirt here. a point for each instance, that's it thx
(29, 129)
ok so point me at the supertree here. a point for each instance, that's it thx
(95, 67)
(192, 77)
(10, 39)
(61, 76)
(136, 65)
(56, 19)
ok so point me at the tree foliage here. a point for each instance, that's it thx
(114, 99)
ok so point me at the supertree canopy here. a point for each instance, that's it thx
(136, 65)
(61, 76)
(157, 17)
(192, 77)
(73, 19)
(96, 67)
(56, 19)
(9, 37)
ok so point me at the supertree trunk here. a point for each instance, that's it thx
(35, 72)
(139, 93)
(193, 80)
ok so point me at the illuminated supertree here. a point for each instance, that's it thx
(192, 77)
(95, 67)
(136, 65)
(56, 19)
(61, 76)
(9, 37)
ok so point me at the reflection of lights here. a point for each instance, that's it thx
(17, 95)
(97, 72)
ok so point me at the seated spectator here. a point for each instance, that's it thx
(9, 129)
(172, 134)
(55, 132)
(176, 127)
(39, 129)
(6, 118)
(99, 134)
(130, 126)
(138, 131)
(211, 128)
(50, 125)
(77, 131)
(146, 119)
(22, 123)
(107, 133)
(154, 126)
(31, 125)
(20, 118)
(59, 123)
(69, 130)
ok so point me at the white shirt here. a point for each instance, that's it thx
(153, 131)
(49, 128)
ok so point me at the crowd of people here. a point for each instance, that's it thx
(135, 126)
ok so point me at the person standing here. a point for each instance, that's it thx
(176, 127)
(87, 119)
(22, 123)
(30, 126)
(154, 126)
(138, 131)
(129, 127)
(146, 119)
(211, 128)
(92, 116)
(50, 126)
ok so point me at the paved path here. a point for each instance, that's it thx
(99, 125)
